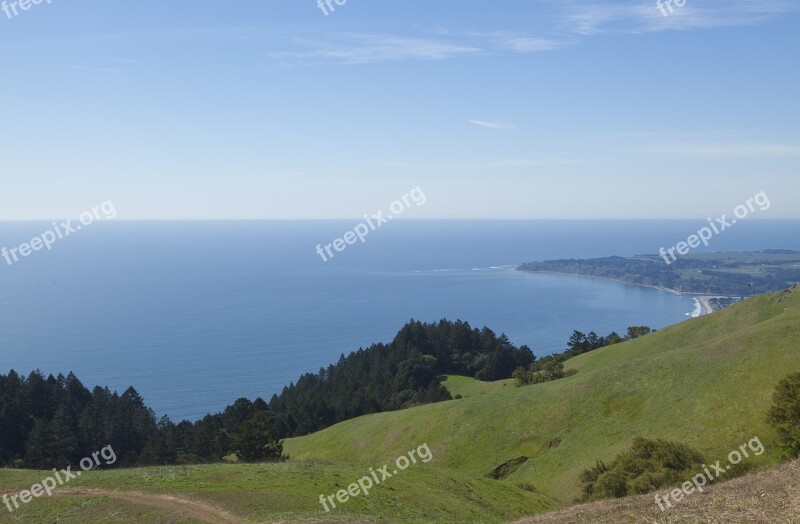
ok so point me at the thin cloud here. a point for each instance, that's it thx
(365, 47)
(502, 126)
(361, 47)
(591, 17)
(555, 24)
(527, 44)
(731, 150)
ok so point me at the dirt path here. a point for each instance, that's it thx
(182, 506)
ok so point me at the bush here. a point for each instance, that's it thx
(784, 415)
(549, 371)
(646, 466)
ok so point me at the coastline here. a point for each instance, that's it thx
(703, 301)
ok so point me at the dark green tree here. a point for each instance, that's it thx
(784, 415)
(638, 331)
(253, 441)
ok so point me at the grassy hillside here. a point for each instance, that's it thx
(706, 382)
(267, 493)
(469, 387)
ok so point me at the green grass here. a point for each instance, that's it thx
(469, 387)
(706, 382)
(289, 491)
(77, 510)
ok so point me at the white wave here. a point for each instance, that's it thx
(698, 309)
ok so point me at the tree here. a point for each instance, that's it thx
(552, 370)
(499, 364)
(577, 343)
(784, 415)
(254, 442)
(63, 443)
(524, 357)
(36, 452)
(638, 331)
(523, 377)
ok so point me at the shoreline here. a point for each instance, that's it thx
(702, 300)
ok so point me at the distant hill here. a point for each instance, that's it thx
(727, 274)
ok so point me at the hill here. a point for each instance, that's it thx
(238, 493)
(706, 382)
(498, 453)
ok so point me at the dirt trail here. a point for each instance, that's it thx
(181, 506)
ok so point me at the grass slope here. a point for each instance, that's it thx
(469, 387)
(270, 493)
(706, 382)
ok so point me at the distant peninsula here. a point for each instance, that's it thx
(723, 278)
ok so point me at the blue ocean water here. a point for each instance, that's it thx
(197, 314)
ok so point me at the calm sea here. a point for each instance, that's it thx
(197, 314)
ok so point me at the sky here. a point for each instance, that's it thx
(273, 109)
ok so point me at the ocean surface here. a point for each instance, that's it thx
(197, 314)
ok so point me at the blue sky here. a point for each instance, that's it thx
(496, 109)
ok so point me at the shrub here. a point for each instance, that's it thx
(550, 370)
(784, 415)
(646, 466)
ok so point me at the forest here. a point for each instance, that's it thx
(52, 421)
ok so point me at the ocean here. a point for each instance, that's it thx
(195, 315)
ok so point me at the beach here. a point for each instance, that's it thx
(705, 302)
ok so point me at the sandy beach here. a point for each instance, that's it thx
(705, 302)
(707, 307)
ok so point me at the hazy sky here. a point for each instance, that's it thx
(496, 109)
